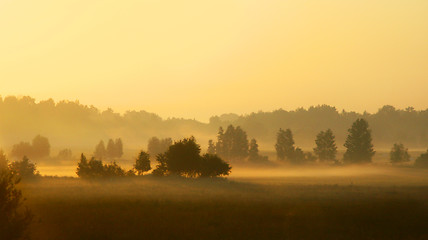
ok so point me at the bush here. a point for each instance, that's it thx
(24, 168)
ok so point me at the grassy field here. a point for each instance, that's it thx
(343, 203)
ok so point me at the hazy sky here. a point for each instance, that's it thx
(197, 58)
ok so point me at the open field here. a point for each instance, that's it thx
(337, 203)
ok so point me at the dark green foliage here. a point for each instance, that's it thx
(39, 148)
(157, 146)
(24, 168)
(422, 160)
(359, 147)
(285, 145)
(142, 163)
(232, 144)
(183, 157)
(213, 166)
(83, 167)
(211, 147)
(161, 168)
(399, 154)
(326, 147)
(14, 221)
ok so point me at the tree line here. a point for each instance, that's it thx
(67, 121)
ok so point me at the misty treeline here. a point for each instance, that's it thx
(71, 124)
(181, 158)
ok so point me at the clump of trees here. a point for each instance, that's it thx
(359, 147)
(422, 160)
(157, 146)
(286, 151)
(24, 168)
(399, 154)
(38, 148)
(113, 150)
(97, 169)
(14, 220)
(182, 158)
(233, 144)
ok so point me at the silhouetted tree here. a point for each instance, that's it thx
(399, 154)
(83, 169)
(359, 147)
(220, 148)
(285, 145)
(100, 150)
(142, 163)
(111, 149)
(422, 160)
(41, 147)
(14, 221)
(211, 147)
(213, 166)
(24, 168)
(118, 146)
(183, 157)
(326, 147)
(161, 168)
(253, 153)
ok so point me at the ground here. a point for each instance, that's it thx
(304, 203)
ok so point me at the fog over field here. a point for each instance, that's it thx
(222, 120)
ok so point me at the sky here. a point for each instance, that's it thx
(195, 59)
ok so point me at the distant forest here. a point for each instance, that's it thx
(71, 124)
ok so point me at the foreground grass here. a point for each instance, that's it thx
(173, 208)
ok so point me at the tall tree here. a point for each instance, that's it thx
(399, 154)
(239, 147)
(142, 163)
(326, 147)
(118, 146)
(111, 149)
(41, 147)
(211, 147)
(359, 147)
(220, 150)
(100, 150)
(253, 152)
(284, 144)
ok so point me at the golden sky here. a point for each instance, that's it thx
(198, 58)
